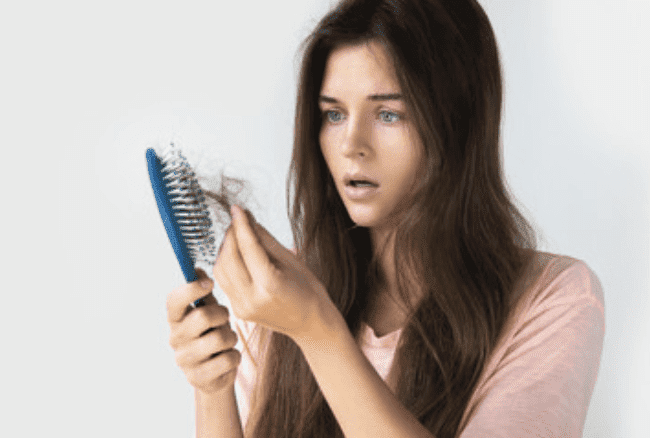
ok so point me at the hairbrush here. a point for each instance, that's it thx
(182, 208)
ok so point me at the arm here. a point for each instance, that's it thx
(362, 403)
(217, 415)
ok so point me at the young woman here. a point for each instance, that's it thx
(416, 303)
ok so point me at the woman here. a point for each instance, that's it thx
(416, 304)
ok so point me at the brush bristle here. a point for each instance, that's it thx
(188, 204)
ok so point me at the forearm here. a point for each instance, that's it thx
(217, 415)
(362, 403)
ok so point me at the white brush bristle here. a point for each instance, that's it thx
(188, 200)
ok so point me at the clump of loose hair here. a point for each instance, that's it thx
(462, 244)
(221, 193)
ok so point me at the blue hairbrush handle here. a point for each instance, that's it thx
(172, 228)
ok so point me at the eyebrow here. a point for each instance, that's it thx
(373, 97)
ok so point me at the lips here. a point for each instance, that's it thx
(351, 179)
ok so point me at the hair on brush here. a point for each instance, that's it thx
(192, 228)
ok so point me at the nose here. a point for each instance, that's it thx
(357, 139)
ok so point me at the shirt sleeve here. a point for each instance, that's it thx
(544, 378)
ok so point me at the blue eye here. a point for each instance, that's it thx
(327, 113)
(390, 115)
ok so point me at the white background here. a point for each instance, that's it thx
(85, 89)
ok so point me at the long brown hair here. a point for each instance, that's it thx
(462, 239)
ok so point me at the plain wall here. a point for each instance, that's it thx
(85, 89)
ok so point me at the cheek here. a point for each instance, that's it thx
(322, 142)
(407, 170)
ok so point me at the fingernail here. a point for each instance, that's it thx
(206, 284)
(235, 211)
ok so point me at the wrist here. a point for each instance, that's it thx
(215, 393)
(217, 414)
(326, 325)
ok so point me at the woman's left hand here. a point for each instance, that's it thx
(265, 282)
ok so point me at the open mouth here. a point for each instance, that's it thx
(362, 184)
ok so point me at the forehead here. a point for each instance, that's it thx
(364, 67)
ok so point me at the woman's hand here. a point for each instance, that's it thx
(202, 338)
(265, 282)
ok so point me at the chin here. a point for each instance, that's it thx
(364, 216)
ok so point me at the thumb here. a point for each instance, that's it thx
(203, 279)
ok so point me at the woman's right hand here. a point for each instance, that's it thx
(202, 338)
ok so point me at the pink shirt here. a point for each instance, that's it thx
(540, 378)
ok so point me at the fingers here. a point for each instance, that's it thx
(199, 350)
(179, 300)
(252, 252)
(275, 251)
(201, 337)
(197, 322)
(217, 372)
(229, 270)
(210, 362)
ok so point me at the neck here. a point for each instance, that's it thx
(385, 293)
(383, 244)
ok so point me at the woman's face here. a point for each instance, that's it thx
(366, 130)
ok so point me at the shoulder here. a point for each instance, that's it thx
(545, 366)
(561, 280)
(562, 308)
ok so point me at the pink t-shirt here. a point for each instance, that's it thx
(540, 378)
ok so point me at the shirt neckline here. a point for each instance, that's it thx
(389, 340)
